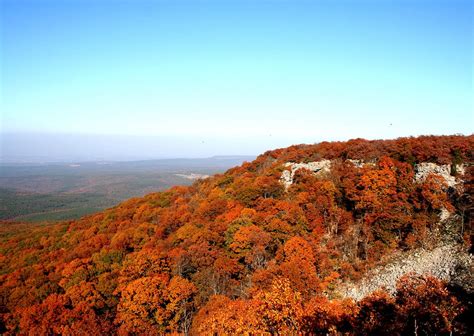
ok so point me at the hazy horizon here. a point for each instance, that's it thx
(50, 148)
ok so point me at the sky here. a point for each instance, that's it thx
(200, 78)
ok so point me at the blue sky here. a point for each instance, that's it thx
(263, 73)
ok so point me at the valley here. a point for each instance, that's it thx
(61, 191)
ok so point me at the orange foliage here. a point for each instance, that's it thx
(238, 254)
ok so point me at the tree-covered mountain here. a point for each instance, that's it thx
(268, 247)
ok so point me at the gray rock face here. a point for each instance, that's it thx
(318, 167)
(357, 163)
(422, 170)
(450, 263)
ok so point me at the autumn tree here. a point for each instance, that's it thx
(155, 305)
(425, 305)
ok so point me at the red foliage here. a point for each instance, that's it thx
(238, 254)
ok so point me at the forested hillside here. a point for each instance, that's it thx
(245, 253)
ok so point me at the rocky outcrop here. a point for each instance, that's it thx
(422, 170)
(357, 163)
(317, 167)
(450, 263)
